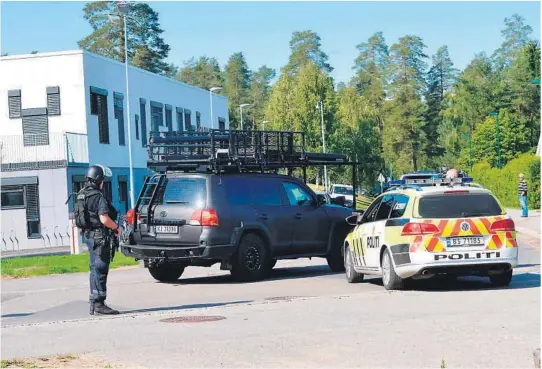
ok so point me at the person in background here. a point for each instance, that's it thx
(522, 192)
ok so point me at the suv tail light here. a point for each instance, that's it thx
(205, 217)
(412, 229)
(503, 225)
(130, 215)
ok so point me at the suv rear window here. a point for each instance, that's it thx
(186, 190)
(460, 205)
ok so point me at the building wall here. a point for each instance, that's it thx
(54, 217)
(32, 74)
(109, 75)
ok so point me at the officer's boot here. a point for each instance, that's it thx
(99, 308)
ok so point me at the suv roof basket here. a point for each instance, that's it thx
(234, 150)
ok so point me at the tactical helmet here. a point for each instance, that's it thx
(97, 173)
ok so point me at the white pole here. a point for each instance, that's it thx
(132, 202)
(211, 102)
(324, 143)
(241, 109)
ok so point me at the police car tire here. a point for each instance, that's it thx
(351, 275)
(502, 279)
(394, 281)
(166, 272)
(251, 249)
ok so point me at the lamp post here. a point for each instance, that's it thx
(123, 8)
(320, 106)
(241, 110)
(213, 89)
(496, 115)
(263, 124)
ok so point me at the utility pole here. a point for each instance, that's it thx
(320, 105)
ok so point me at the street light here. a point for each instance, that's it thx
(241, 110)
(320, 106)
(123, 7)
(213, 89)
(263, 124)
(496, 115)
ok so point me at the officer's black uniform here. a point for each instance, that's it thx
(98, 239)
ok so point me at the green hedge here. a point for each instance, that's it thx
(504, 182)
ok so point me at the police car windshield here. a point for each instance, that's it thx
(185, 191)
(342, 190)
(460, 205)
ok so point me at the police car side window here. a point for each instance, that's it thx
(399, 206)
(370, 213)
(385, 208)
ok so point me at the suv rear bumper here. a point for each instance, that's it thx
(178, 254)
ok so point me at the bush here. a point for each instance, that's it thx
(504, 182)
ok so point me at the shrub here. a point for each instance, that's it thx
(504, 182)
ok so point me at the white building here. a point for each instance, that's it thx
(60, 112)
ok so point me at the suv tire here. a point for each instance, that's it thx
(251, 261)
(390, 279)
(501, 279)
(351, 275)
(335, 259)
(167, 272)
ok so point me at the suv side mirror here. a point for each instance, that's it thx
(320, 200)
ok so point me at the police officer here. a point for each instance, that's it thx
(94, 216)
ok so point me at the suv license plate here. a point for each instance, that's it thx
(465, 241)
(167, 229)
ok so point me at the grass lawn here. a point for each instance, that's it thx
(362, 202)
(54, 264)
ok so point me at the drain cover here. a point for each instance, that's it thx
(193, 319)
(283, 298)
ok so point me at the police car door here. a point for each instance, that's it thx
(373, 232)
(360, 258)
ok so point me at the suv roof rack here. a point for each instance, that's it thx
(234, 150)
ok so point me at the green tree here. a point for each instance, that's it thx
(440, 79)
(513, 139)
(204, 73)
(306, 46)
(237, 85)
(404, 138)
(280, 108)
(260, 91)
(146, 47)
(370, 79)
(516, 35)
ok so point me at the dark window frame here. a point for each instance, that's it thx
(136, 124)
(143, 113)
(98, 107)
(221, 123)
(169, 117)
(52, 108)
(14, 100)
(180, 119)
(118, 106)
(20, 189)
(188, 121)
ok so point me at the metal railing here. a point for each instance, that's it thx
(40, 151)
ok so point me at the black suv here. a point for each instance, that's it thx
(245, 221)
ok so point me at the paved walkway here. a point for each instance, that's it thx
(529, 226)
(62, 250)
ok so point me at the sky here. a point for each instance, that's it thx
(262, 30)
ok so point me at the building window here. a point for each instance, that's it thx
(53, 101)
(143, 112)
(198, 121)
(221, 124)
(123, 191)
(98, 106)
(187, 121)
(169, 118)
(33, 227)
(108, 190)
(157, 116)
(14, 103)
(179, 114)
(35, 127)
(119, 115)
(137, 126)
(12, 197)
(78, 182)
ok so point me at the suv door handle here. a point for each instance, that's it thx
(262, 217)
(298, 216)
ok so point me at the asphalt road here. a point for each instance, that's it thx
(304, 316)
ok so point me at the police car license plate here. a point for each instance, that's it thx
(465, 241)
(167, 229)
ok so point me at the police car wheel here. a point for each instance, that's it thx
(251, 261)
(351, 275)
(166, 272)
(390, 279)
(502, 279)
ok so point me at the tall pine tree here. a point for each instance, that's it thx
(237, 88)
